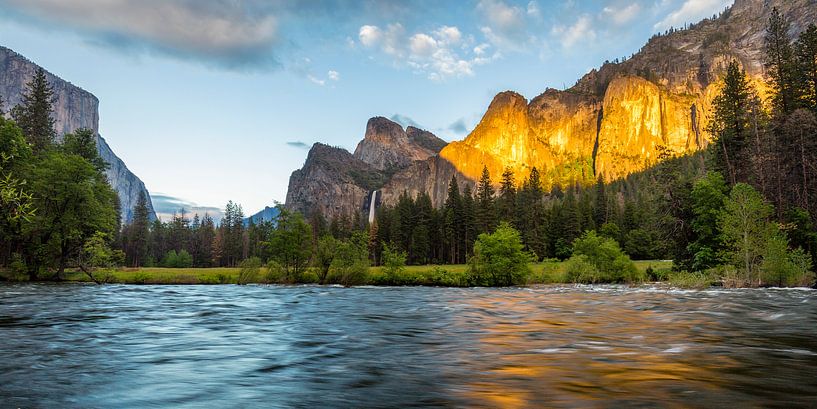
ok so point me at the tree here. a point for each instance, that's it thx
(780, 65)
(74, 202)
(351, 262)
(325, 253)
(800, 165)
(138, 233)
(600, 213)
(35, 114)
(745, 228)
(16, 202)
(730, 123)
(97, 254)
(499, 258)
(394, 262)
(506, 203)
(82, 142)
(806, 58)
(291, 243)
(454, 221)
(486, 209)
(708, 195)
(597, 259)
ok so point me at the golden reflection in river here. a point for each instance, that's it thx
(558, 349)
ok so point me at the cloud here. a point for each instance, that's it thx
(622, 15)
(506, 25)
(333, 75)
(581, 30)
(691, 11)
(315, 80)
(166, 206)
(439, 54)
(458, 127)
(223, 33)
(533, 10)
(405, 121)
(298, 144)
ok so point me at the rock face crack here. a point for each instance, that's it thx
(693, 113)
(596, 143)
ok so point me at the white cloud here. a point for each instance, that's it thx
(422, 45)
(692, 11)
(581, 30)
(333, 75)
(623, 15)
(370, 36)
(439, 54)
(533, 9)
(506, 25)
(315, 80)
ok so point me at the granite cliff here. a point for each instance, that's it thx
(614, 121)
(74, 108)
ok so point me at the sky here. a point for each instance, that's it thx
(215, 100)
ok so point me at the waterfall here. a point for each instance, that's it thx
(371, 206)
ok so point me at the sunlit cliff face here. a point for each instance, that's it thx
(574, 138)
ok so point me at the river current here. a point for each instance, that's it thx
(116, 346)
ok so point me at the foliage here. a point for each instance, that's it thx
(499, 258)
(325, 253)
(291, 243)
(781, 267)
(598, 259)
(97, 260)
(249, 270)
(182, 259)
(351, 263)
(35, 114)
(394, 261)
(745, 229)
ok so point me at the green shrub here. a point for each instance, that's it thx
(697, 279)
(275, 272)
(499, 259)
(249, 270)
(140, 278)
(394, 262)
(17, 270)
(783, 268)
(599, 259)
(309, 277)
(351, 263)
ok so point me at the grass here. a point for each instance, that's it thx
(451, 275)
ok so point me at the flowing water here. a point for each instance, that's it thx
(272, 346)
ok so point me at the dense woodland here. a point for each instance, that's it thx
(746, 205)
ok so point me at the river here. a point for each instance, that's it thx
(116, 346)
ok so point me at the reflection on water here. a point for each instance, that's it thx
(267, 346)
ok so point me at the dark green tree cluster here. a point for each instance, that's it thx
(57, 205)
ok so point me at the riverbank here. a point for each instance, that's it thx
(451, 275)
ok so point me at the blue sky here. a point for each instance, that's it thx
(216, 100)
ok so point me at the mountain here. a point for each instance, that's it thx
(616, 120)
(74, 108)
(268, 214)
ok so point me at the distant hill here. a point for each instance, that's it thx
(269, 214)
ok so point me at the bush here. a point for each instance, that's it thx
(351, 263)
(182, 259)
(698, 279)
(499, 259)
(599, 259)
(781, 267)
(275, 272)
(394, 262)
(249, 270)
(17, 270)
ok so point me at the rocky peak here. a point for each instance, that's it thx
(74, 108)
(425, 139)
(387, 147)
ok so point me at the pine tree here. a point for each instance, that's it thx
(806, 57)
(600, 214)
(780, 64)
(469, 227)
(453, 221)
(730, 124)
(506, 203)
(139, 233)
(35, 114)
(486, 206)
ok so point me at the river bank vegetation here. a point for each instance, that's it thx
(741, 212)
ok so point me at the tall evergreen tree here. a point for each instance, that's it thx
(506, 202)
(138, 233)
(486, 207)
(780, 63)
(35, 114)
(730, 124)
(806, 57)
(453, 221)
